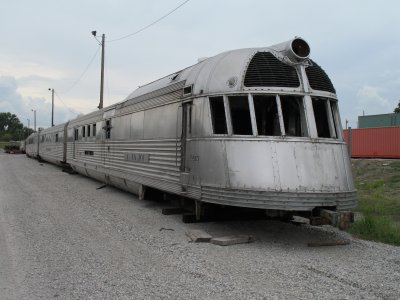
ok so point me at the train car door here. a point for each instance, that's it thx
(76, 136)
(186, 133)
(106, 143)
(107, 136)
(38, 142)
(65, 141)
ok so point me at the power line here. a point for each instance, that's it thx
(83, 73)
(151, 24)
(64, 103)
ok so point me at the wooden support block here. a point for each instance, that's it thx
(232, 240)
(346, 218)
(341, 219)
(172, 211)
(332, 216)
(198, 236)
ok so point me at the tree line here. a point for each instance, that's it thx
(11, 128)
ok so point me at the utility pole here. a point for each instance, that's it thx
(102, 43)
(103, 37)
(52, 107)
(34, 118)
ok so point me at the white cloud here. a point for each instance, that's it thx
(12, 101)
(371, 102)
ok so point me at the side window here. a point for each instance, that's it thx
(88, 130)
(293, 115)
(321, 117)
(94, 129)
(76, 135)
(83, 131)
(218, 115)
(56, 137)
(108, 129)
(240, 115)
(335, 119)
(267, 116)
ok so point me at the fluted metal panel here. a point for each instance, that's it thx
(299, 201)
(161, 170)
(146, 102)
(51, 152)
(156, 93)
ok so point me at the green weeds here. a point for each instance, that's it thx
(377, 228)
(378, 202)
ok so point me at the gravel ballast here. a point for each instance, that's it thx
(62, 238)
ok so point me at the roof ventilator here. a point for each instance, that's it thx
(294, 51)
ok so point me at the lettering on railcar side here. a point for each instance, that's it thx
(137, 157)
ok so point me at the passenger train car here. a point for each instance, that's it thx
(256, 127)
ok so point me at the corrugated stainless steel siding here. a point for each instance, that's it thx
(156, 93)
(51, 151)
(164, 158)
(146, 103)
(278, 200)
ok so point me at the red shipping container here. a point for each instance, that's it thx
(377, 142)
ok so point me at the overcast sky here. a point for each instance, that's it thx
(48, 44)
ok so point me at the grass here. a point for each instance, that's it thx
(378, 185)
(377, 228)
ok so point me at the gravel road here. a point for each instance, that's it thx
(61, 238)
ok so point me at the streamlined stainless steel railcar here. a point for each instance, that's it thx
(257, 127)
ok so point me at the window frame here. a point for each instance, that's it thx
(274, 98)
(251, 116)
(332, 114)
(212, 115)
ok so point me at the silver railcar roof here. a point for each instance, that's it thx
(224, 73)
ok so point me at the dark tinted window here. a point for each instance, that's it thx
(321, 117)
(267, 115)
(240, 115)
(218, 115)
(293, 115)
